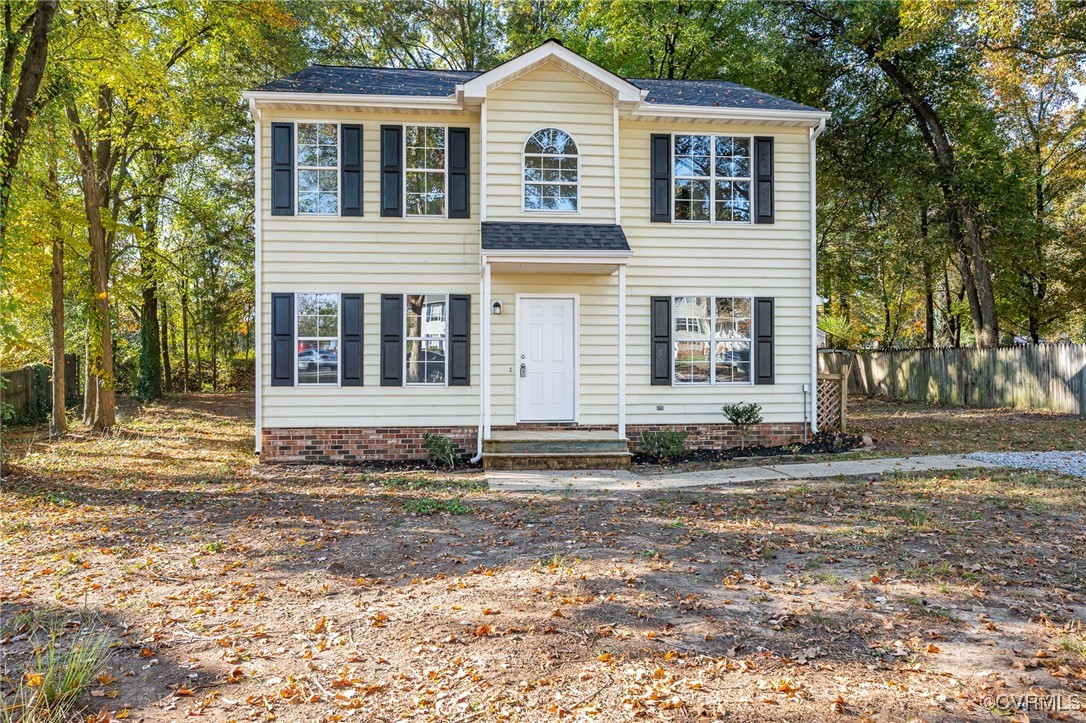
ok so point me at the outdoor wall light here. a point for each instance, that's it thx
(496, 308)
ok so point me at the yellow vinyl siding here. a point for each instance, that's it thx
(371, 255)
(719, 259)
(543, 98)
(598, 341)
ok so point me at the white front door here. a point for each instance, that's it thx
(546, 368)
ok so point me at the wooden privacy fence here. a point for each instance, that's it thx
(29, 392)
(1046, 376)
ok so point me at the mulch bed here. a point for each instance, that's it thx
(822, 443)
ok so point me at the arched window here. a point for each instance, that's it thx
(550, 171)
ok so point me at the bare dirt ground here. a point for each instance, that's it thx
(233, 591)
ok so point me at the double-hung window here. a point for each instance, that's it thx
(425, 170)
(711, 340)
(317, 334)
(711, 178)
(426, 339)
(318, 168)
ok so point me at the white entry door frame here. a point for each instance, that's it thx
(522, 409)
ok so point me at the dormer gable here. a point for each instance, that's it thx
(622, 91)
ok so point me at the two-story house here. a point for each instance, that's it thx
(542, 246)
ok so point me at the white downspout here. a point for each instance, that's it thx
(258, 308)
(622, 351)
(484, 358)
(815, 132)
(484, 300)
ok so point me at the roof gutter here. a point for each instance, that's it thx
(458, 101)
(806, 117)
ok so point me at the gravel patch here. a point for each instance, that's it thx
(1069, 463)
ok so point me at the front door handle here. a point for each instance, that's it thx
(523, 370)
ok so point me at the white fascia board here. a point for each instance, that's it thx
(623, 89)
(805, 117)
(272, 97)
(551, 257)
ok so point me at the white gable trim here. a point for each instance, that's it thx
(623, 90)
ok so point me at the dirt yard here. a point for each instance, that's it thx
(237, 592)
(904, 428)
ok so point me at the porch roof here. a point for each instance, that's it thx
(588, 237)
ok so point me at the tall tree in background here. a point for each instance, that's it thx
(921, 66)
(18, 102)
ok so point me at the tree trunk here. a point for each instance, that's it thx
(59, 421)
(185, 334)
(929, 292)
(90, 380)
(106, 411)
(167, 372)
(214, 361)
(96, 171)
(199, 358)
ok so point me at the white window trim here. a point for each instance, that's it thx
(339, 340)
(406, 170)
(403, 326)
(298, 168)
(712, 341)
(712, 179)
(524, 182)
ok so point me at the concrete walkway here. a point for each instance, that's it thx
(622, 480)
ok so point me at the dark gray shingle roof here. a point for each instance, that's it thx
(502, 236)
(714, 93)
(442, 83)
(371, 81)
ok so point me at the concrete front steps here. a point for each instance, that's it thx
(555, 449)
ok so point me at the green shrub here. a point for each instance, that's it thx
(743, 417)
(440, 450)
(664, 445)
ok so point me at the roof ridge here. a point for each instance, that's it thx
(689, 80)
(387, 67)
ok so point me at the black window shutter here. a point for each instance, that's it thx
(282, 170)
(391, 340)
(282, 351)
(763, 340)
(660, 324)
(660, 170)
(763, 179)
(350, 170)
(459, 173)
(459, 340)
(392, 170)
(350, 340)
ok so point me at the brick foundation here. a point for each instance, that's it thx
(722, 436)
(360, 444)
(357, 444)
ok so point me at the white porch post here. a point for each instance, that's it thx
(622, 351)
(484, 349)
